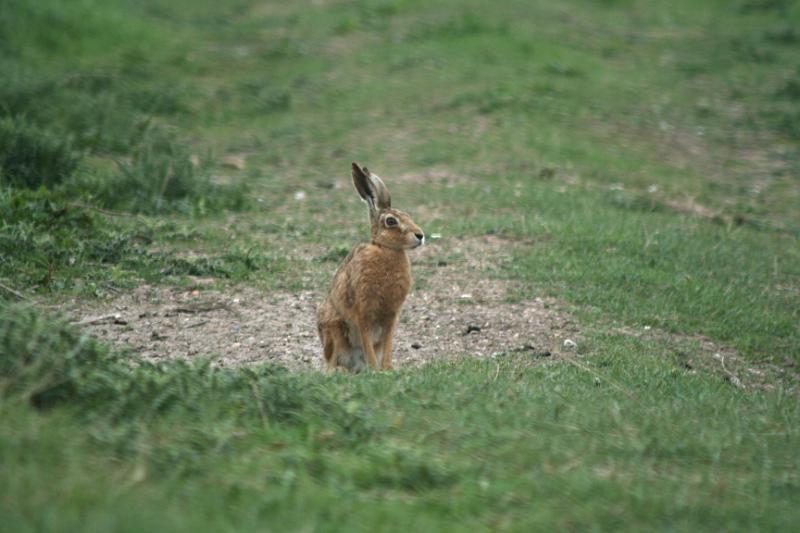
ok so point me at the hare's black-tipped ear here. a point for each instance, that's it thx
(371, 188)
(363, 185)
(383, 199)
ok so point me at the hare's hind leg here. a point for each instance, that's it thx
(330, 354)
(334, 343)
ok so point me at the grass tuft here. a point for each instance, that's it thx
(45, 361)
(161, 177)
(31, 158)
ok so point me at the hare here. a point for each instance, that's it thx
(357, 320)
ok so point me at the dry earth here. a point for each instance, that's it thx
(456, 311)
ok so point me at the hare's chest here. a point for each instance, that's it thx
(387, 295)
(377, 284)
(393, 288)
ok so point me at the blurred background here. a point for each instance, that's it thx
(151, 140)
(696, 102)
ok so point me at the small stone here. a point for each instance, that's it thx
(569, 343)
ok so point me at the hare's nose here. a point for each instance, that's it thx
(420, 236)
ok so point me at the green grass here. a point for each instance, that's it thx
(640, 158)
(617, 255)
(514, 445)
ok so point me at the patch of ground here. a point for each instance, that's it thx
(456, 311)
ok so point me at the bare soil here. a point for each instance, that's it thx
(457, 310)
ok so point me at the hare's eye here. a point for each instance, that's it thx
(391, 221)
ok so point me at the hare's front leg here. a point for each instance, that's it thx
(386, 341)
(366, 345)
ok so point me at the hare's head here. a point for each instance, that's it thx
(391, 228)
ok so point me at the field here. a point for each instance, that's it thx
(604, 331)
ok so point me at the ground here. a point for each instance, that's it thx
(458, 312)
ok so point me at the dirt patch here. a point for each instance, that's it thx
(456, 311)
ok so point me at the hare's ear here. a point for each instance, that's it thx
(371, 189)
(382, 196)
(364, 186)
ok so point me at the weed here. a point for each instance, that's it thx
(32, 158)
(160, 177)
(48, 363)
(41, 235)
(160, 173)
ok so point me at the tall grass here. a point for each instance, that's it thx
(31, 158)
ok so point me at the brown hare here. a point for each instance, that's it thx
(357, 320)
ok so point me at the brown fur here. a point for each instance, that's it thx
(356, 322)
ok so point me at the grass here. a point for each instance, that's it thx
(32, 159)
(639, 158)
(650, 267)
(515, 445)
